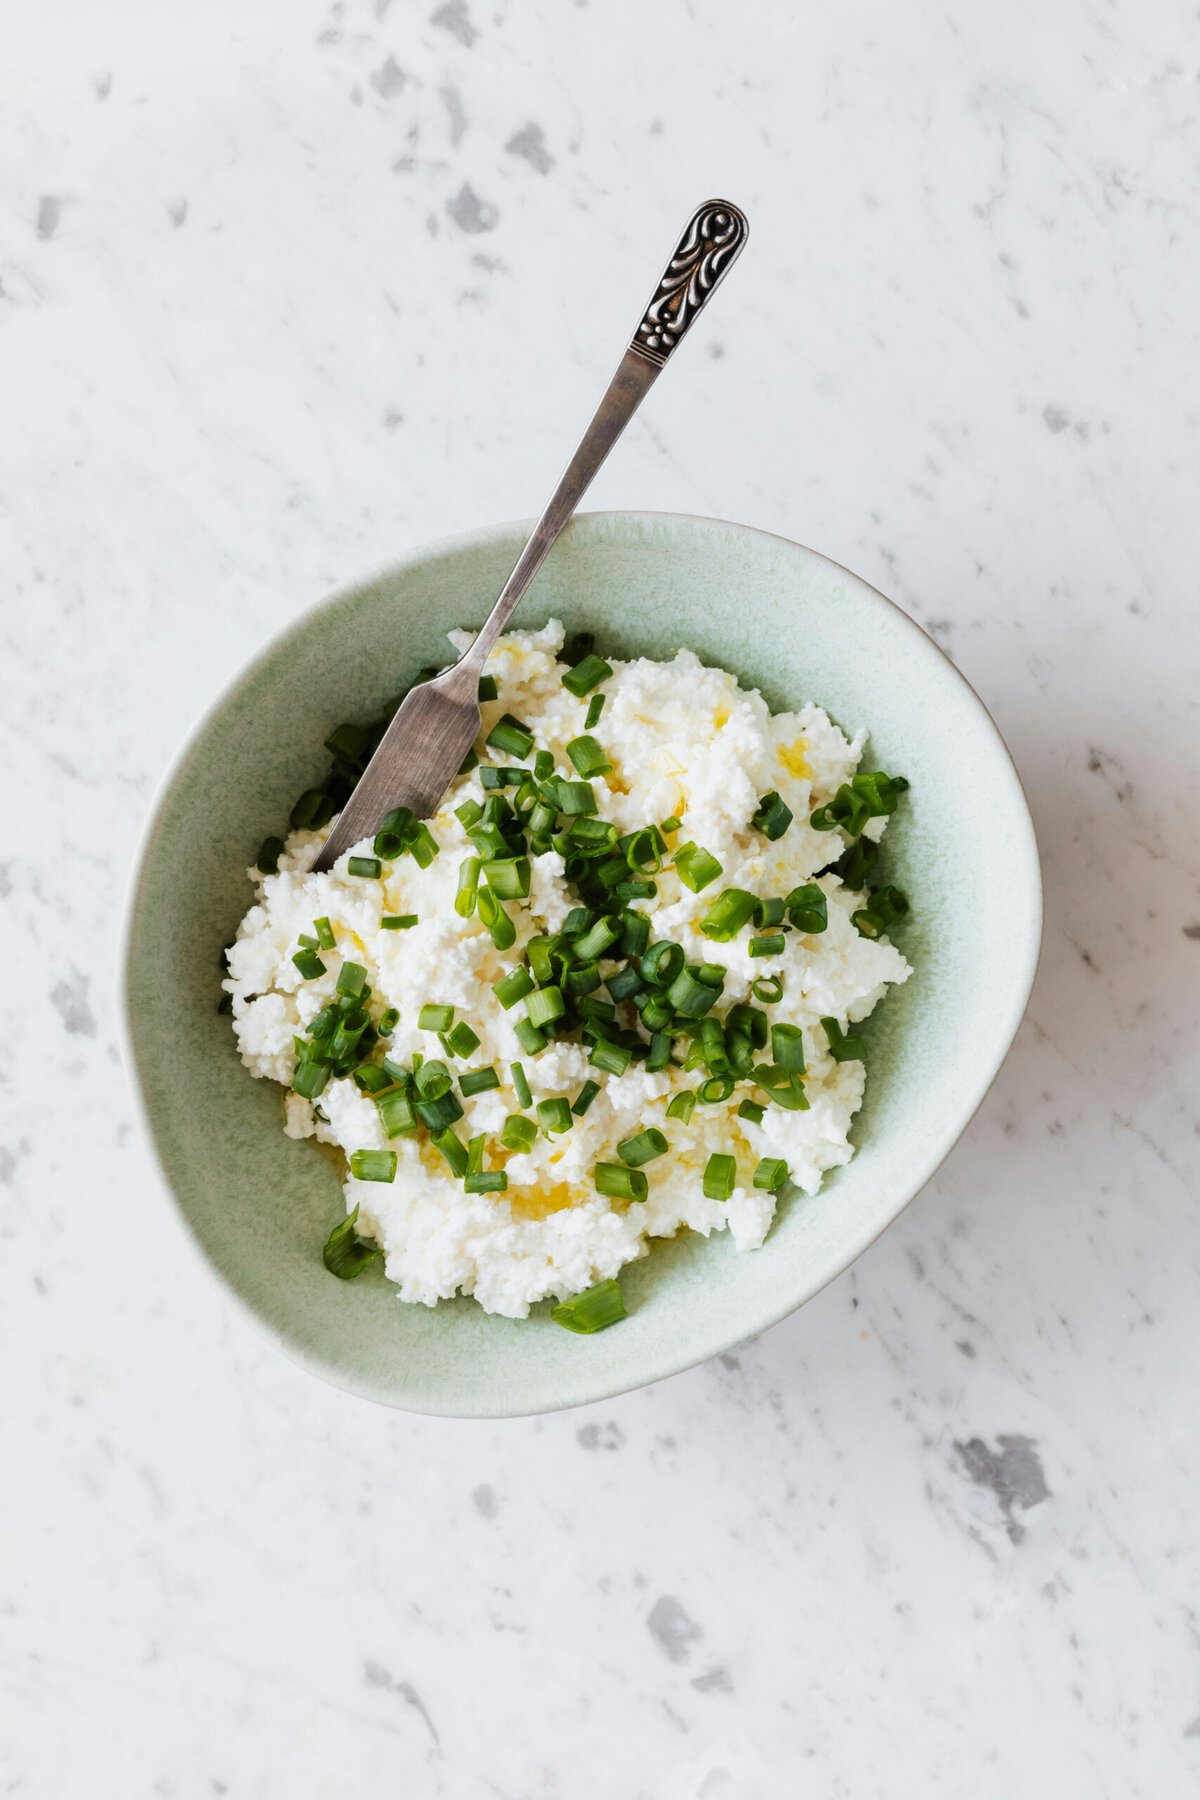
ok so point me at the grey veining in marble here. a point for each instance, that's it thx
(285, 288)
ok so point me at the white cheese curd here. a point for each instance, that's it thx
(685, 741)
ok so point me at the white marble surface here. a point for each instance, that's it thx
(289, 286)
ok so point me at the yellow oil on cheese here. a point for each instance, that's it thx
(794, 760)
(538, 1201)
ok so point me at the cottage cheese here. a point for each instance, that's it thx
(684, 740)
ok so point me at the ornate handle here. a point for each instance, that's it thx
(707, 250)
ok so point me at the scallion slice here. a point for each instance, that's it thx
(787, 1047)
(595, 708)
(696, 866)
(508, 734)
(371, 1078)
(844, 1046)
(433, 1017)
(478, 1081)
(399, 922)
(368, 866)
(514, 986)
(388, 1020)
(772, 816)
(768, 989)
(598, 938)
(373, 1165)
(554, 1116)
(346, 1254)
(462, 1040)
(782, 1086)
(584, 1098)
(614, 1059)
(643, 1147)
(733, 908)
(545, 1005)
(438, 1114)
(508, 877)
(715, 1090)
(770, 943)
(807, 908)
(574, 797)
(720, 1176)
(453, 1149)
(658, 1056)
(625, 983)
(884, 906)
(423, 847)
(396, 1114)
(312, 810)
(620, 1183)
(682, 1106)
(308, 963)
(595, 1310)
(492, 915)
(520, 1085)
(529, 1037)
(587, 674)
(311, 1078)
(468, 882)
(486, 1181)
(468, 814)
(270, 851)
(519, 1134)
(689, 995)
(588, 756)
(751, 1110)
(324, 931)
(395, 833)
(487, 688)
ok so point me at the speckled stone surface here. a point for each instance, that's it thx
(288, 289)
(799, 627)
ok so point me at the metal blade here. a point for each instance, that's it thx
(418, 757)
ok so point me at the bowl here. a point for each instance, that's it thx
(782, 618)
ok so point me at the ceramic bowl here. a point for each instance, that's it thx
(784, 619)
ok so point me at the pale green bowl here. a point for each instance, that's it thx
(782, 618)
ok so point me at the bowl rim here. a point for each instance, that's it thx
(771, 1314)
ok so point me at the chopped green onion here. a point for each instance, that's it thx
(508, 877)
(500, 927)
(468, 814)
(856, 864)
(771, 943)
(595, 708)
(309, 943)
(584, 978)
(312, 810)
(529, 1036)
(438, 1113)
(543, 765)
(715, 1090)
(574, 797)
(371, 1079)
(423, 847)
(625, 983)
(324, 931)
(308, 963)
(520, 1085)
(643, 1147)
(578, 645)
(871, 795)
(682, 1106)
(635, 934)
(732, 909)
(399, 922)
(487, 687)
(750, 1109)
(588, 756)
(432, 1078)
(787, 1047)
(770, 913)
(519, 1133)
(346, 1254)
(659, 1054)
(771, 1174)
(554, 1116)
(311, 1078)
(370, 866)
(783, 1086)
(468, 881)
(373, 1165)
(478, 1081)
(844, 1046)
(772, 816)
(389, 1018)
(513, 987)
(435, 1018)
(884, 905)
(545, 1005)
(670, 825)
(453, 1149)
(598, 938)
(462, 1040)
(620, 1183)
(486, 1181)
(595, 1310)
(807, 908)
(352, 979)
(475, 1149)
(350, 743)
(270, 851)
(470, 761)
(696, 866)
(510, 735)
(691, 996)
(395, 833)
(578, 920)
(720, 1175)
(396, 1114)
(586, 675)
(584, 1098)
(614, 1059)
(768, 989)
(636, 890)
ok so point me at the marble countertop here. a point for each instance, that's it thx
(289, 287)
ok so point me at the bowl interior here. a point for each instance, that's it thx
(783, 619)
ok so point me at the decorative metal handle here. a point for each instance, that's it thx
(704, 254)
